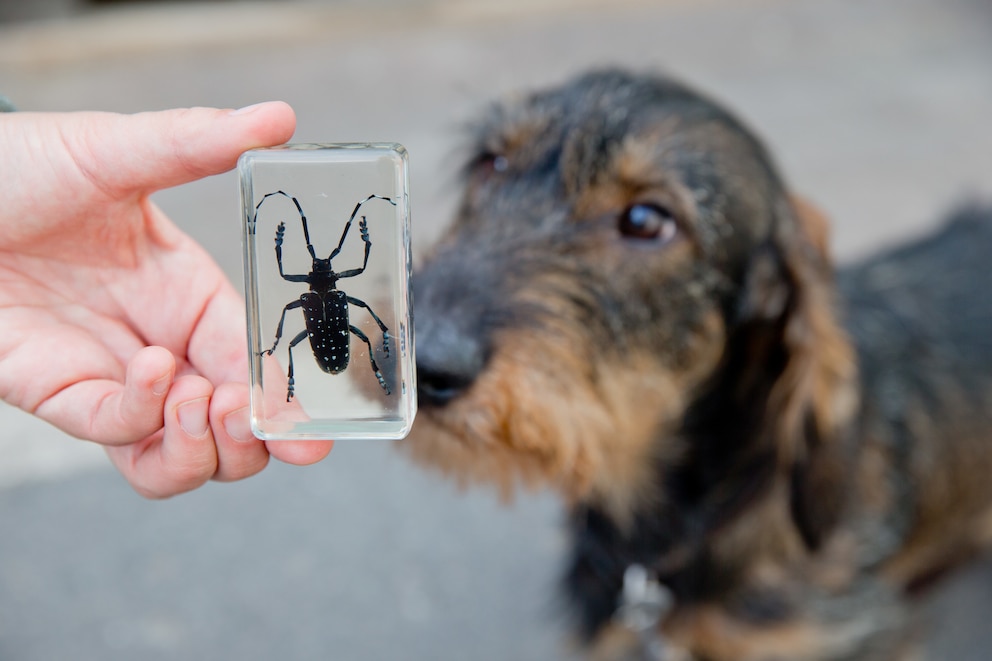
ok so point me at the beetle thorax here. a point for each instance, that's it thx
(323, 277)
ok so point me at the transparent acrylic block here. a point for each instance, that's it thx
(336, 311)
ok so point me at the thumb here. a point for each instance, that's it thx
(150, 151)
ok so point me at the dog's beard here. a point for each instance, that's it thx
(543, 413)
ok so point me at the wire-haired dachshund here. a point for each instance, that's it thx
(763, 458)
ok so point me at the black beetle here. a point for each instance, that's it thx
(325, 307)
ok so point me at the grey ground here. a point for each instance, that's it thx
(877, 109)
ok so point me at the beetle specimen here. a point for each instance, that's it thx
(325, 307)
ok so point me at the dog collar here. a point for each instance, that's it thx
(644, 603)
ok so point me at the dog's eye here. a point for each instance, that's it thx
(489, 162)
(648, 221)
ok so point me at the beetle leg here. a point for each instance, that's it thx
(385, 330)
(291, 382)
(289, 306)
(375, 368)
(364, 227)
(280, 233)
(282, 229)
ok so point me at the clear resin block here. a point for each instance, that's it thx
(327, 274)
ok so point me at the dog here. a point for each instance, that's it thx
(763, 457)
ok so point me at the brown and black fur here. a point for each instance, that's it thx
(794, 453)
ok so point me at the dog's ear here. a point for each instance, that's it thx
(797, 366)
(820, 358)
(813, 224)
(814, 396)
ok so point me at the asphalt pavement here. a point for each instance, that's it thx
(877, 109)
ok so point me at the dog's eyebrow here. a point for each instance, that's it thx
(508, 127)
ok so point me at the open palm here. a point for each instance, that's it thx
(118, 328)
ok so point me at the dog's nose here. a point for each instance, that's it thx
(448, 361)
(452, 302)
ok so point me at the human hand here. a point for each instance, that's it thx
(119, 328)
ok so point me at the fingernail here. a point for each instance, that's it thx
(193, 417)
(247, 109)
(161, 386)
(238, 426)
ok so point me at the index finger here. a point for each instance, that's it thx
(149, 151)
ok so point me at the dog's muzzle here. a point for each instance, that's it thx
(450, 341)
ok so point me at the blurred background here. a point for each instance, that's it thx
(878, 111)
